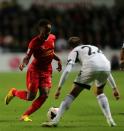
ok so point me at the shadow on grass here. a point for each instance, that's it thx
(121, 113)
(10, 121)
(85, 124)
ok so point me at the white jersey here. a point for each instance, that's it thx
(90, 57)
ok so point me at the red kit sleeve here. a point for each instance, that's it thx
(30, 48)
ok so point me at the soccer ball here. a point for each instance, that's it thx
(52, 112)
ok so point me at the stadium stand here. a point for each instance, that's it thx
(103, 26)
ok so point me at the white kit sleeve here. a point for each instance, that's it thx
(112, 81)
(65, 74)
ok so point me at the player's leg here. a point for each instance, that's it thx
(65, 105)
(68, 100)
(32, 87)
(30, 96)
(103, 101)
(44, 85)
(23, 94)
(78, 87)
(38, 102)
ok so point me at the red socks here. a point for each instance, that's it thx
(21, 94)
(36, 105)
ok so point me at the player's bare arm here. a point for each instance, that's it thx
(26, 59)
(24, 63)
(114, 87)
(59, 68)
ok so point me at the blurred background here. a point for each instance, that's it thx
(97, 22)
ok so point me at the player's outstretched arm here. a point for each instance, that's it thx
(24, 63)
(62, 79)
(59, 68)
(26, 59)
(114, 86)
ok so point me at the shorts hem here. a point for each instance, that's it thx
(83, 85)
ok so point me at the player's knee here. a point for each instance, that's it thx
(99, 91)
(45, 96)
(31, 97)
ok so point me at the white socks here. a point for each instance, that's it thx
(102, 100)
(104, 104)
(63, 106)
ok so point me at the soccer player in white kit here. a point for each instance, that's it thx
(95, 67)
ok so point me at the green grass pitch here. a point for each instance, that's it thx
(83, 115)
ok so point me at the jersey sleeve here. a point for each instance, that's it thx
(53, 37)
(72, 57)
(30, 48)
(71, 60)
(31, 44)
(65, 74)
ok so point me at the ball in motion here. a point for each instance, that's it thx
(52, 112)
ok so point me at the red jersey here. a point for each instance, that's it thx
(43, 53)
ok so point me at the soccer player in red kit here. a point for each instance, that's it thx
(39, 71)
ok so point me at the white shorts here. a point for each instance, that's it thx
(88, 78)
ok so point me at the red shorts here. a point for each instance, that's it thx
(38, 79)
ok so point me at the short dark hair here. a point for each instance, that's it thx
(74, 41)
(43, 22)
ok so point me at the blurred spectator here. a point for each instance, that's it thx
(103, 26)
(115, 62)
(8, 42)
(61, 43)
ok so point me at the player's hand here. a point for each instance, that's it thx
(116, 94)
(59, 68)
(57, 94)
(21, 66)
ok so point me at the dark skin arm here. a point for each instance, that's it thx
(59, 68)
(26, 59)
(24, 62)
